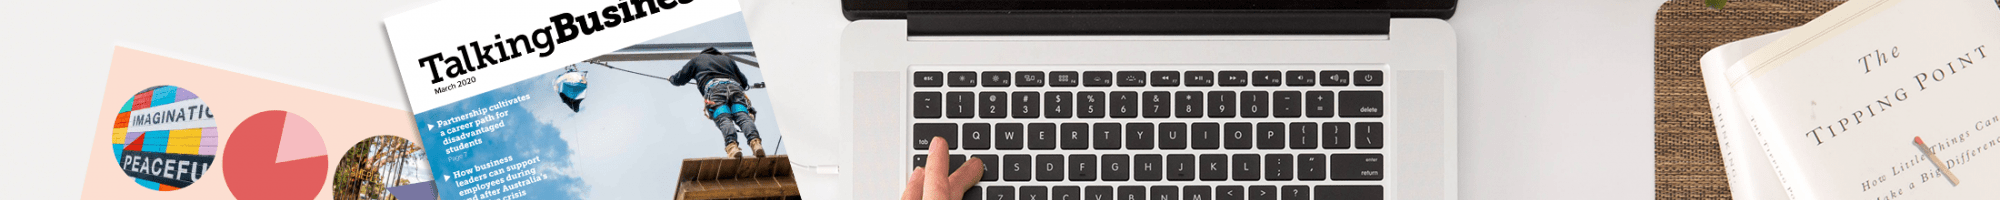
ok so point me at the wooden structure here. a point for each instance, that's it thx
(769, 177)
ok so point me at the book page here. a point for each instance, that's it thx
(1744, 159)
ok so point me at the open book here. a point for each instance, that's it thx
(1834, 109)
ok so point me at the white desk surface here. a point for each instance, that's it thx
(1555, 95)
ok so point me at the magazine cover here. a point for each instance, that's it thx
(590, 100)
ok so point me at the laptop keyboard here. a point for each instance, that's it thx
(1158, 134)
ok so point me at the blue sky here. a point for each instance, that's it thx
(627, 141)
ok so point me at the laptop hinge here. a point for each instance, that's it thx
(1149, 23)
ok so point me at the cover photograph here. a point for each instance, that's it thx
(590, 100)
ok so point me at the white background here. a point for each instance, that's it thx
(1555, 95)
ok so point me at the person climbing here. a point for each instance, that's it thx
(722, 85)
(570, 86)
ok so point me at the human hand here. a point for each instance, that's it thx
(931, 182)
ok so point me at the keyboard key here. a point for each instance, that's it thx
(1354, 166)
(1320, 104)
(1368, 78)
(1139, 136)
(1267, 78)
(1196, 192)
(989, 166)
(1173, 135)
(1166, 78)
(1263, 192)
(1181, 167)
(1270, 135)
(1336, 135)
(1131, 78)
(1027, 105)
(1333, 78)
(1063, 79)
(958, 105)
(1243, 167)
(1200, 78)
(1237, 135)
(1050, 168)
(972, 193)
(1255, 104)
(1017, 167)
(1345, 192)
(927, 105)
(928, 79)
(1034, 193)
(962, 79)
(1074, 136)
(1147, 167)
(1221, 104)
(1230, 193)
(1008, 136)
(1163, 192)
(1187, 104)
(1115, 167)
(1083, 167)
(1059, 105)
(1029, 79)
(1106, 136)
(1124, 104)
(1157, 104)
(1300, 78)
(1278, 167)
(1066, 193)
(976, 136)
(919, 160)
(996, 79)
(1285, 104)
(1090, 105)
(1206, 136)
(1233, 78)
(1099, 193)
(1312, 167)
(923, 132)
(992, 105)
(1000, 193)
(1368, 135)
(1097, 79)
(1131, 193)
(1360, 103)
(1214, 167)
(1304, 135)
(1041, 136)
(1294, 192)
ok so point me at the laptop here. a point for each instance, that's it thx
(1159, 99)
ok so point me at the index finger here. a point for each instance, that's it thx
(936, 168)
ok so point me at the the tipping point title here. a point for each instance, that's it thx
(474, 56)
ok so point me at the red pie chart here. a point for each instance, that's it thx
(274, 155)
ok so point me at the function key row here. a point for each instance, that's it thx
(1147, 136)
(1150, 104)
(1160, 78)
(1193, 192)
(1171, 167)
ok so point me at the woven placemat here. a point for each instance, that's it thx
(1687, 163)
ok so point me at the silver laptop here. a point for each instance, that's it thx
(1155, 100)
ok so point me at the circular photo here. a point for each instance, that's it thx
(275, 155)
(164, 138)
(382, 168)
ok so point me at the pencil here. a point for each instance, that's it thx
(1935, 161)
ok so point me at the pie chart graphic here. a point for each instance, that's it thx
(164, 138)
(275, 155)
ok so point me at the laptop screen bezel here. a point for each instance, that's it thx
(899, 9)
